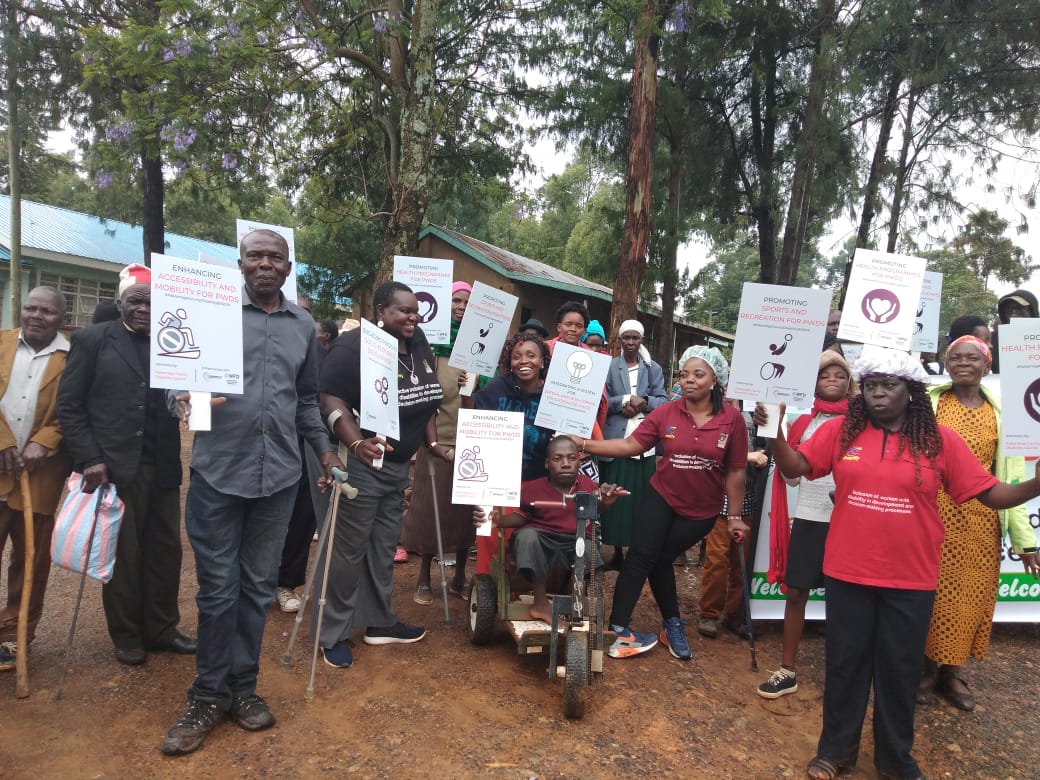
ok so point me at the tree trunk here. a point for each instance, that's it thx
(764, 202)
(808, 148)
(418, 132)
(663, 348)
(902, 174)
(639, 173)
(153, 218)
(14, 161)
(877, 165)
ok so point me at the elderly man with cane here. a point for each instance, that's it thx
(244, 475)
(32, 359)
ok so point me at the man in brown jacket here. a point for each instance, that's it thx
(31, 361)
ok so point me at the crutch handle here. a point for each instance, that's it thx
(344, 487)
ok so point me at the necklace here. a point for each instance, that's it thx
(410, 369)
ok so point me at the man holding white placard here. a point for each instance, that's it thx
(243, 480)
(119, 431)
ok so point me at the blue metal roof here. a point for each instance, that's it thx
(62, 231)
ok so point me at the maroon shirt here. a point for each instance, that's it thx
(691, 477)
(558, 519)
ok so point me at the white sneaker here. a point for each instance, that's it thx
(288, 601)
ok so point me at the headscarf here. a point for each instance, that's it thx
(594, 329)
(976, 342)
(460, 286)
(712, 357)
(882, 361)
(635, 325)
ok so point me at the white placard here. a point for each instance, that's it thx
(431, 281)
(483, 330)
(572, 391)
(196, 338)
(1020, 386)
(488, 458)
(379, 412)
(776, 351)
(245, 226)
(926, 323)
(882, 297)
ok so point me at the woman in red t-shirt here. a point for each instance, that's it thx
(704, 441)
(888, 457)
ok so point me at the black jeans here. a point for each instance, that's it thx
(874, 636)
(657, 540)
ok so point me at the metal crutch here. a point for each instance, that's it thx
(738, 537)
(440, 546)
(79, 594)
(331, 539)
(21, 661)
(341, 486)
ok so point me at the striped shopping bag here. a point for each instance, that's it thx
(80, 516)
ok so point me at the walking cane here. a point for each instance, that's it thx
(21, 661)
(79, 594)
(330, 527)
(440, 546)
(738, 537)
(341, 486)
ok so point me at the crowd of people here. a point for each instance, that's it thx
(903, 495)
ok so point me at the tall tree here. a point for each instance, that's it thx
(37, 76)
(635, 234)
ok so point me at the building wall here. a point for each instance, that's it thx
(82, 288)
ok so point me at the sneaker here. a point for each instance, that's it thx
(400, 555)
(629, 642)
(187, 734)
(340, 656)
(251, 712)
(673, 636)
(8, 655)
(782, 682)
(288, 601)
(396, 634)
(708, 627)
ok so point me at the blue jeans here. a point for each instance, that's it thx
(238, 544)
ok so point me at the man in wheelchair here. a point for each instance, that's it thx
(546, 523)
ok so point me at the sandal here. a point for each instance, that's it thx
(925, 689)
(821, 768)
(962, 700)
(462, 591)
(423, 595)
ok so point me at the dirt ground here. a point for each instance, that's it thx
(446, 708)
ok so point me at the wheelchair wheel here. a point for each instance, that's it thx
(481, 609)
(576, 682)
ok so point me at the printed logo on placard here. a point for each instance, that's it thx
(1032, 400)
(880, 306)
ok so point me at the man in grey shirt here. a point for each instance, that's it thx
(243, 481)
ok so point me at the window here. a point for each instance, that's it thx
(81, 296)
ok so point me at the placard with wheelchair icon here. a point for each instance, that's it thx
(488, 458)
(196, 337)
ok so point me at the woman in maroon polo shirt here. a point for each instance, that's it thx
(704, 442)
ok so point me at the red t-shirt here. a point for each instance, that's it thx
(691, 477)
(558, 518)
(886, 530)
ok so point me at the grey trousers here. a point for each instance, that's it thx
(361, 576)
